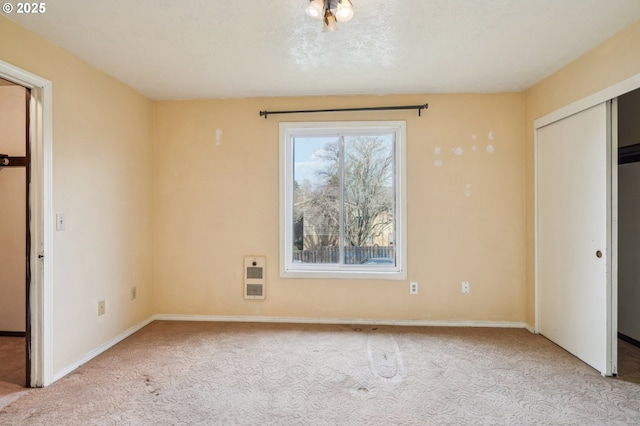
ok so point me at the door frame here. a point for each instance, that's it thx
(40, 294)
(608, 94)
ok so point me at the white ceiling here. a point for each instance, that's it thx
(186, 49)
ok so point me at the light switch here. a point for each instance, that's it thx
(60, 222)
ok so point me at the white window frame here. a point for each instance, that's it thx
(289, 269)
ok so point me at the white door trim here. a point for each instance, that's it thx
(41, 295)
(612, 313)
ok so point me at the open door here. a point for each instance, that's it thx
(40, 294)
(14, 232)
(574, 202)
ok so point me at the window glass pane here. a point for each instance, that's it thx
(343, 211)
(369, 199)
(316, 200)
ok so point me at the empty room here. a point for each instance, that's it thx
(319, 212)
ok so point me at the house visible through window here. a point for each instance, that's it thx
(342, 200)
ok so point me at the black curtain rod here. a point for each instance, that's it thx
(387, 108)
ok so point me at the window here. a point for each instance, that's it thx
(342, 200)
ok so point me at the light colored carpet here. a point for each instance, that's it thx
(12, 369)
(190, 373)
(13, 360)
(628, 362)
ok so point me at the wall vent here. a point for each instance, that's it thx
(254, 277)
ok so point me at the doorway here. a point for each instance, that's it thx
(629, 236)
(14, 234)
(39, 295)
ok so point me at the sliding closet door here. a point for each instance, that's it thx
(573, 173)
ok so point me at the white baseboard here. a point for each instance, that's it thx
(97, 351)
(350, 321)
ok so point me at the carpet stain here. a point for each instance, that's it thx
(385, 360)
(150, 386)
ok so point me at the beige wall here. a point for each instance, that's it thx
(102, 182)
(611, 62)
(13, 189)
(215, 204)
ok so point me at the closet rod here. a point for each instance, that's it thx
(384, 108)
(7, 161)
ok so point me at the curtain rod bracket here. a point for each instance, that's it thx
(385, 108)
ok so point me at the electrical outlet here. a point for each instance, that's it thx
(101, 307)
(413, 287)
(134, 292)
(465, 287)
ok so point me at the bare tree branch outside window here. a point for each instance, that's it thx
(354, 179)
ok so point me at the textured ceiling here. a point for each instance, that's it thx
(186, 49)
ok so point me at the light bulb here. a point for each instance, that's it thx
(315, 9)
(344, 11)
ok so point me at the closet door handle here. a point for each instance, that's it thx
(4, 160)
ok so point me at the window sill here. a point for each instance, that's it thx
(349, 275)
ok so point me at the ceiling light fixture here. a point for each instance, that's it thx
(330, 11)
(329, 21)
